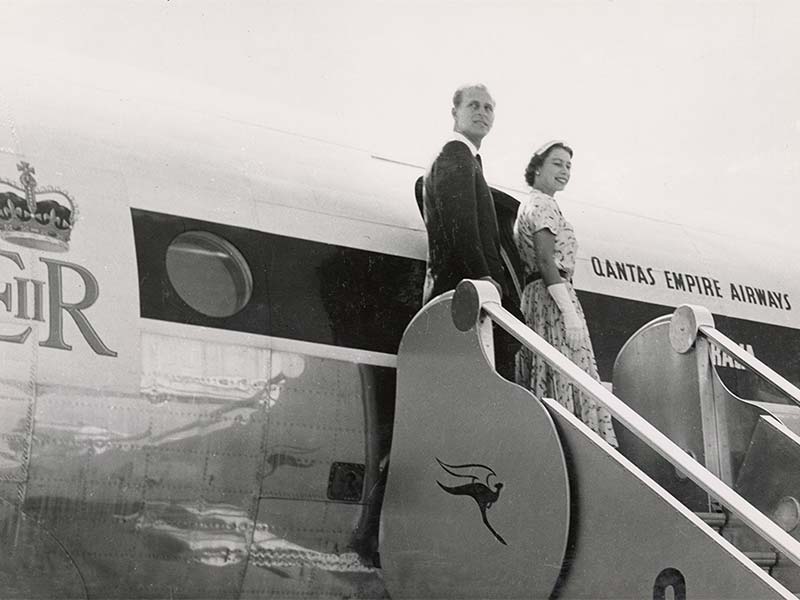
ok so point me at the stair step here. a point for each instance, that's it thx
(765, 560)
(720, 520)
(715, 520)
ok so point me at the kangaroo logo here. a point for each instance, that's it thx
(480, 492)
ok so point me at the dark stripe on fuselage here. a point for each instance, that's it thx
(329, 294)
(302, 290)
(613, 320)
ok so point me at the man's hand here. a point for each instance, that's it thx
(495, 284)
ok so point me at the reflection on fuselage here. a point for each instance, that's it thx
(220, 535)
(224, 458)
(231, 398)
(202, 371)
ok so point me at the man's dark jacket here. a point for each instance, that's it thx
(463, 237)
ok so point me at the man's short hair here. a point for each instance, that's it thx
(459, 95)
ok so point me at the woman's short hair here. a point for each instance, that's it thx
(538, 158)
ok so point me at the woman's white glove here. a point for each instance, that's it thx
(572, 322)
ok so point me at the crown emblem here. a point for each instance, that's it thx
(36, 217)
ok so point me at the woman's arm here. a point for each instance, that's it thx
(544, 242)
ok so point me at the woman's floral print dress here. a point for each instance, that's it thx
(542, 314)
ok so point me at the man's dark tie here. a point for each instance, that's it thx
(480, 162)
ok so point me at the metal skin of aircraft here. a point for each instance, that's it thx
(199, 323)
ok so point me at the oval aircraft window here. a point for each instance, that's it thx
(209, 273)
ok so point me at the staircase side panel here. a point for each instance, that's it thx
(476, 503)
(662, 386)
(629, 538)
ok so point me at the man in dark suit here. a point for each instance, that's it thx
(460, 217)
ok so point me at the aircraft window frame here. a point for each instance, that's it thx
(228, 257)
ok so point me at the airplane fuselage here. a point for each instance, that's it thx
(198, 385)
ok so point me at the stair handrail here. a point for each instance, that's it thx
(474, 298)
(723, 342)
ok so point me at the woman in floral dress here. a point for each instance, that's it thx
(547, 245)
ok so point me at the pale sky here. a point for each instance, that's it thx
(678, 109)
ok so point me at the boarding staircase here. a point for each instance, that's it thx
(492, 493)
(752, 446)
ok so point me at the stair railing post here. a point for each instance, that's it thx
(684, 336)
